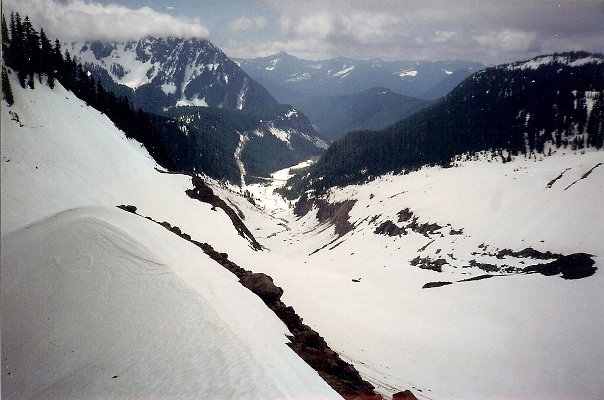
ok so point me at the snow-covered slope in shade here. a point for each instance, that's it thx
(99, 303)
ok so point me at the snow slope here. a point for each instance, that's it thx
(100, 303)
(516, 336)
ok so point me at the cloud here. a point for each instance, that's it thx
(506, 40)
(80, 20)
(442, 36)
(491, 31)
(244, 24)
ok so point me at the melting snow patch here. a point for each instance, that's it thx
(195, 101)
(298, 77)
(405, 73)
(168, 88)
(345, 72)
(279, 134)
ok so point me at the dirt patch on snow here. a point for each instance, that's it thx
(332, 213)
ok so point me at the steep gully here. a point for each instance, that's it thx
(304, 341)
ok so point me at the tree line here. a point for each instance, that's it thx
(32, 56)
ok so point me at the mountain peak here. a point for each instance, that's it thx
(169, 71)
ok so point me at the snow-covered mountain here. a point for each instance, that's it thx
(99, 302)
(288, 77)
(353, 266)
(183, 76)
(168, 72)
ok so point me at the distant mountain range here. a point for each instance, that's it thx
(288, 77)
(532, 108)
(341, 94)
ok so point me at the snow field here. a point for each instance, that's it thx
(520, 336)
(506, 337)
(100, 303)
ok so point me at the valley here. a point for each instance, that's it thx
(399, 229)
(365, 286)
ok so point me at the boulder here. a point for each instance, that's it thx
(262, 285)
(406, 395)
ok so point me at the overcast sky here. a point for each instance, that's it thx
(491, 31)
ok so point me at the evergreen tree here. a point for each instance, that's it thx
(6, 89)
(31, 49)
(17, 48)
(46, 58)
(5, 39)
(595, 134)
(56, 60)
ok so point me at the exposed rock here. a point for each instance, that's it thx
(303, 206)
(204, 193)
(405, 215)
(129, 208)
(426, 246)
(585, 175)
(573, 266)
(476, 278)
(485, 266)
(428, 263)
(262, 285)
(389, 228)
(311, 339)
(334, 213)
(405, 395)
(551, 183)
(435, 284)
(425, 229)
(528, 252)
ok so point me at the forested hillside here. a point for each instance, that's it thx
(185, 139)
(374, 108)
(526, 108)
